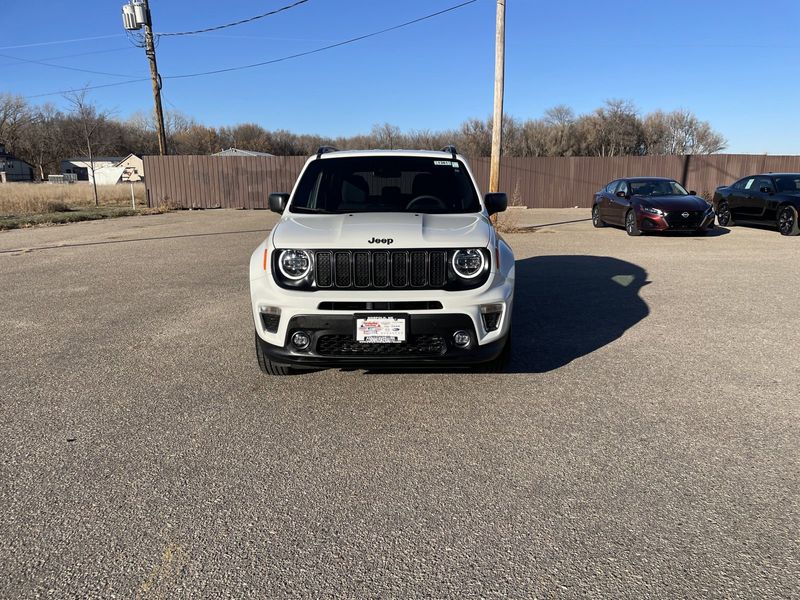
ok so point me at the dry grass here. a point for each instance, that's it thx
(508, 221)
(18, 199)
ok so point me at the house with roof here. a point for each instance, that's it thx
(237, 152)
(13, 168)
(107, 170)
(82, 166)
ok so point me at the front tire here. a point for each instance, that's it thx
(724, 216)
(596, 220)
(266, 365)
(787, 221)
(630, 224)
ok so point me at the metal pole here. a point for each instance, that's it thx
(150, 50)
(133, 198)
(499, 74)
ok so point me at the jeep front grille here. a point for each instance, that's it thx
(391, 269)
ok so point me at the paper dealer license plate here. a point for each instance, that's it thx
(380, 329)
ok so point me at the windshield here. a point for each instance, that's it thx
(788, 183)
(385, 184)
(657, 187)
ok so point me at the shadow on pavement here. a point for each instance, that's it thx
(534, 227)
(566, 307)
(265, 231)
(716, 232)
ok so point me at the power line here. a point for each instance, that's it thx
(248, 20)
(273, 61)
(53, 43)
(90, 87)
(46, 64)
(62, 56)
(323, 48)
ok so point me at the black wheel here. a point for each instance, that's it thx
(630, 224)
(724, 216)
(596, 220)
(267, 366)
(787, 221)
(499, 364)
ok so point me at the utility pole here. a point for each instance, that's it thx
(135, 15)
(499, 76)
(150, 50)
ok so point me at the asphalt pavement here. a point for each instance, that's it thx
(644, 443)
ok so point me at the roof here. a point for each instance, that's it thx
(237, 152)
(774, 175)
(642, 177)
(418, 153)
(85, 159)
(127, 157)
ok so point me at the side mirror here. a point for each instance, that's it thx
(621, 194)
(692, 193)
(496, 202)
(278, 202)
(766, 190)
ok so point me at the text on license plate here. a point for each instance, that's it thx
(380, 330)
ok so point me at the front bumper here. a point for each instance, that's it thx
(652, 222)
(429, 343)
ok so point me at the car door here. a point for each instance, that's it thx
(739, 196)
(604, 200)
(619, 205)
(760, 197)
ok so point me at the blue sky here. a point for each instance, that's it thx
(731, 65)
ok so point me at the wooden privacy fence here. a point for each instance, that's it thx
(218, 181)
(538, 182)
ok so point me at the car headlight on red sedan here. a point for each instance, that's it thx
(653, 211)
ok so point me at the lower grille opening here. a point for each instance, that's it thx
(345, 345)
(270, 322)
(415, 305)
(676, 220)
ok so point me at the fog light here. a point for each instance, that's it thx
(462, 339)
(491, 313)
(301, 340)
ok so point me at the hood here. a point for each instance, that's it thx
(673, 203)
(405, 230)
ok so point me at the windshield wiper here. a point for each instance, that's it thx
(307, 209)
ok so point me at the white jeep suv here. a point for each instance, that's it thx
(383, 259)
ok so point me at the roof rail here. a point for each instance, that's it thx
(325, 149)
(451, 149)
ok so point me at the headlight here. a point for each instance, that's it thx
(468, 263)
(653, 211)
(294, 264)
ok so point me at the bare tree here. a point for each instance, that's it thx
(43, 143)
(680, 132)
(475, 138)
(89, 119)
(15, 118)
(560, 125)
(386, 136)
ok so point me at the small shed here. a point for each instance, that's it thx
(133, 168)
(12, 168)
